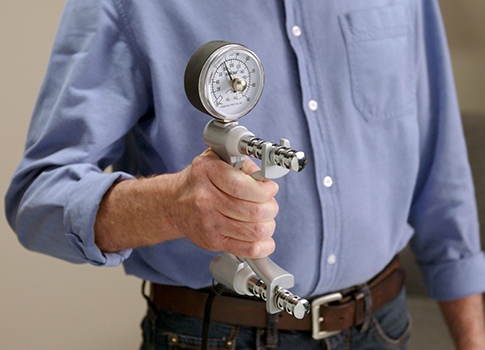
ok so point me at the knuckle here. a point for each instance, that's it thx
(203, 201)
(275, 189)
(259, 249)
(262, 230)
(266, 196)
(196, 166)
(270, 190)
(252, 250)
(275, 208)
(200, 167)
(258, 212)
(272, 246)
(200, 160)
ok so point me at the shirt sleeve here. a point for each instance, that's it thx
(95, 90)
(444, 213)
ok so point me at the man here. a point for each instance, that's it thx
(364, 88)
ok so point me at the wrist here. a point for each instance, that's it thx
(136, 213)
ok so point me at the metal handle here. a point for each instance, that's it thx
(259, 277)
(237, 274)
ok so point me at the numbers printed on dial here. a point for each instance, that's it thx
(223, 93)
(235, 83)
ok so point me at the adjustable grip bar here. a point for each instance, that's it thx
(282, 156)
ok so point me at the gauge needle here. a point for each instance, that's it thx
(228, 72)
(237, 84)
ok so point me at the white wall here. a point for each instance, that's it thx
(46, 304)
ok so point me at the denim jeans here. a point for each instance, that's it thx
(389, 328)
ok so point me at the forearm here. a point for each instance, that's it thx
(131, 214)
(465, 319)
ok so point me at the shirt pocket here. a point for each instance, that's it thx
(380, 55)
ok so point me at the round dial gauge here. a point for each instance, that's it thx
(224, 80)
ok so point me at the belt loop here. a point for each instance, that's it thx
(347, 338)
(272, 331)
(367, 306)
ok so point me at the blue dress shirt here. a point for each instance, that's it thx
(365, 88)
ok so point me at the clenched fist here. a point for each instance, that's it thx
(211, 203)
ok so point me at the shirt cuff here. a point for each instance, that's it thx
(80, 215)
(457, 279)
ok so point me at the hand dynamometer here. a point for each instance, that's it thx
(225, 80)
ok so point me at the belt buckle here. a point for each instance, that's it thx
(317, 319)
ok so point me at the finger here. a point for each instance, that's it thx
(218, 233)
(210, 153)
(240, 185)
(248, 211)
(250, 250)
(214, 225)
(249, 166)
(250, 232)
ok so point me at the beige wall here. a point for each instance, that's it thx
(46, 304)
(465, 27)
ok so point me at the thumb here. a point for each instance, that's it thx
(249, 166)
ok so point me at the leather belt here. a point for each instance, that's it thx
(330, 313)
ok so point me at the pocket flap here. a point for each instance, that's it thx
(376, 22)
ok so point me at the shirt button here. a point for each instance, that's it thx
(332, 259)
(313, 105)
(327, 181)
(296, 31)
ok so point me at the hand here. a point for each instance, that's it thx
(213, 204)
(221, 208)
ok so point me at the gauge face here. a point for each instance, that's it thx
(233, 82)
(230, 80)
